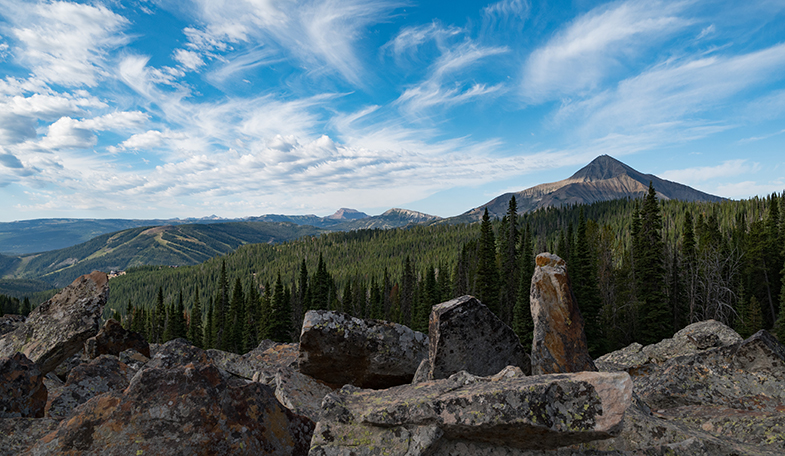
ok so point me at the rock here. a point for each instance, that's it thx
(22, 390)
(297, 392)
(9, 323)
(559, 342)
(103, 374)
(505, 412)
(748, 375)
(133, 359)
(180, 410)
(465, 335)
(421, 375)
(19, 434)
(64, 368)
(113, 339)
(268, 355)
(340, 349)
(58, 328)
(177, 352)
(692, 339)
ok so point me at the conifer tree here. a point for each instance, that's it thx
(302, 290)
(221, 308)
(195, 332)
(408, 283)
(209, 328)
(235, 319)
(376, 304)
(584, 281)
(24, 308)
(265, 312)
(510, 277)
(280, 315)
(689, 269)
(252, 315)
(159, 317)
(179, 318)
(656, 317)
(487, 271)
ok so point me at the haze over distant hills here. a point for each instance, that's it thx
(604, 179)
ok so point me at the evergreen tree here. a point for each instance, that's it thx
(487, 271)
(159, 317)
(583, 277)
(179, 318)
(280, 318)
(24, 308)
(252, 316)
(265, 312)
(656, 317)
(302, 291)
(510, 277)
(195, 332)
(377, 306)
(235, 319)
(408, 282)
(221, 307)
(209, 328)
(321, 298)
(689, 255)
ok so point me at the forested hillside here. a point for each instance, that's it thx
(641, 269)
(168, 244)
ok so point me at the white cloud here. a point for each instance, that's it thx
(65, 43)
(582, 56)
(190, 60)
(321, 34)
(730, 168)
(71, 133)
(669, 97)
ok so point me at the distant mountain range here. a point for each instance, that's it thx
(604, 179)
(71, 247)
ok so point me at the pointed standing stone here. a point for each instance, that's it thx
(559, 343)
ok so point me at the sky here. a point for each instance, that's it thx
(190, 108)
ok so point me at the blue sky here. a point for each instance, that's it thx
(178, 108)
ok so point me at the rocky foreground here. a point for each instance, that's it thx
(368, 387)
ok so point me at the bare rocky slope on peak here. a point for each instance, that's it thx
(604, 179)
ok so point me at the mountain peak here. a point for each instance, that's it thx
(603, 167)
(347, 214)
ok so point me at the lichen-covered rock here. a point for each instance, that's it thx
(22, 389)
(58, 328)
(103, 374)
(748, 375)
(133, 359)
(268, 355)
(113, 339)
(180, 410)
(465, 335)
(9, 323)
(559, 342)
(506, 411)
(19, 434)
(177, 352)
(340, 349)
(692, 339)
(298, 392)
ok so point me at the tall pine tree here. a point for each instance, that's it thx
(487, 270)
(649, 256)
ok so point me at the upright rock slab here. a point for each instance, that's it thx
(466, 336)
(507, 411)
(340, 349)
(58, 328)
(559, 342)
(101, 375)
(22, 390)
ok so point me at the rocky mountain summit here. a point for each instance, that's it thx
(369, 387)
(604, 179)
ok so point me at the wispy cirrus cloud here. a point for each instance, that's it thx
(66, 43)
(729, 168)
(594, 46)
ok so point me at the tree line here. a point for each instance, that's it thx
(641, 269)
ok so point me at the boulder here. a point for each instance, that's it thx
(340, 349)
(22, 390)
(692, 339)
(58, 328)
(113, 339)
(297, 392)
(103, 374)
(9, 323)
(19, 434)
(180, 410)
(465, 335)
(559, 342)
(267, 355)
(508, 412)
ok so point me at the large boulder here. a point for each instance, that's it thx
(113, 339)
(559, 342)
(340, 349)
(466, 336)
(58, 328)
(508, 412)
(267, 355)
(22, 390)
(19, 434)
(103, 374)
(298, 392)
(692, 339)
(176, 409)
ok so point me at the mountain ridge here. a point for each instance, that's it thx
(604, 178)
